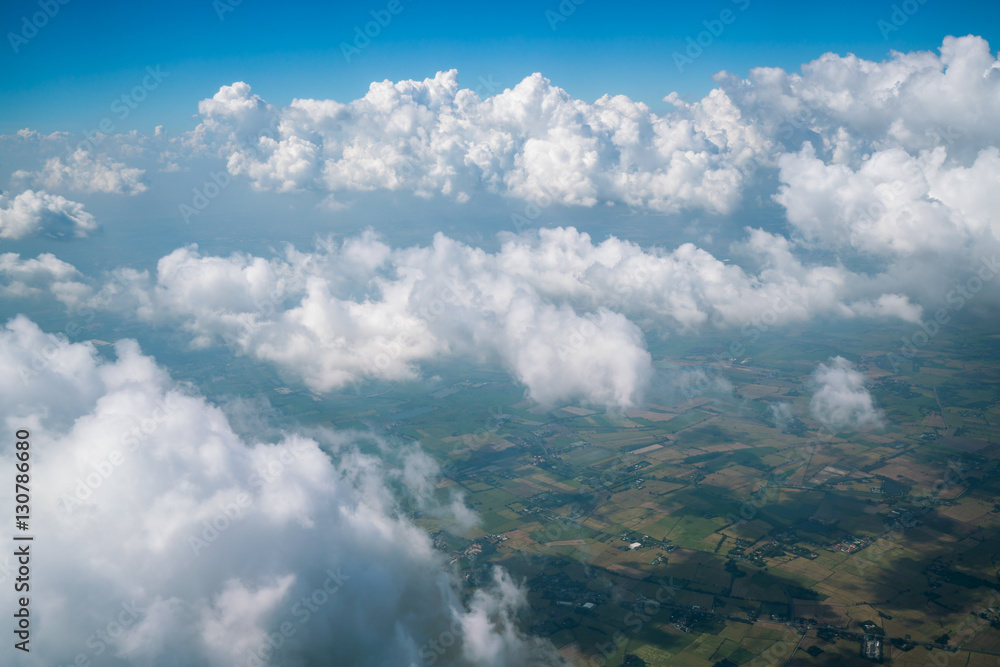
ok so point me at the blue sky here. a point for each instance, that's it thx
(65, 76)
(292, 263)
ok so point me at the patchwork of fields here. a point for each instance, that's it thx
(698, 530)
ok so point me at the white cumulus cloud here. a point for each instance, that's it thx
(82, 172)
(33, 212)
(191, 546)
(46, 273)
(564, 314)
(840, 399)
(532, 141)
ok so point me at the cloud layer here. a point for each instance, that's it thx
(39, 212)
(82, 172)
(887, 163)
(564, 314)
(532, 141)
(191, 546)
(840, 399)
(45, 274)
(194, 545)
(886, 166)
